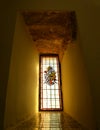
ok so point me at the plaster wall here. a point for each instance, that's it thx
(76, 89)
(22, 89)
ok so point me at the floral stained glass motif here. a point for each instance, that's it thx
(50, 76)
(50, 88)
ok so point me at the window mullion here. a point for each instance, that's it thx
(50, 90)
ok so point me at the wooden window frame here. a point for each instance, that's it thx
(61, 102)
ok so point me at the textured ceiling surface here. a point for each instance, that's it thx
(51, 31)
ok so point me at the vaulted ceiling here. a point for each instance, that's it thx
(51, 31)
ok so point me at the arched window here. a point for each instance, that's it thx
(50, 93)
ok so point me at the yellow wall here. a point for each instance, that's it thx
(76, 88)
(22, 98)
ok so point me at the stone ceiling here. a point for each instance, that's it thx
(51, 31)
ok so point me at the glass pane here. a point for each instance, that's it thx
(50, 93)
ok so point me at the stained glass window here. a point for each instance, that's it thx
(50, 88)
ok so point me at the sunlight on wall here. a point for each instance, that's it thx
(22, 88)
(37, 90)
(76, 91)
